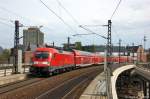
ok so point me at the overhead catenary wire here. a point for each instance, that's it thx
(6, 24)
(11, 12)
(60, 4)
(83, 34)
(92, 32)
(57, 16)
(92, 25)
(2, 8)
(8, 20)
(17, 15)
(11, 21)
(115, 9)
(1, 18)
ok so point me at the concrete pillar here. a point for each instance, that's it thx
(20, 61)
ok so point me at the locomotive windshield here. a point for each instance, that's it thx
(42, 55)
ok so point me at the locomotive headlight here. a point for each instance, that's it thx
(35, 62)
(46, 63)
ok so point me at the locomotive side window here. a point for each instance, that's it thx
(42, 55)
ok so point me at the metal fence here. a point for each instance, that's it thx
(7, 69)
(144, 67)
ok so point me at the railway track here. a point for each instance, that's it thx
(18, 84)
(68, 89)
(69, 85)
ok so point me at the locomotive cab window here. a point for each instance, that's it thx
(42, 55)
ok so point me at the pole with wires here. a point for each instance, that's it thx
(109, 49)
(133, 51)
(68, 43)
(16, 46)
(53, 44)
(144, 42)
(108, 56)
(119, 54)
(127, 51)
(108, 53)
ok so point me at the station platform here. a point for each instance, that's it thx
(12, 78)
(96, 89)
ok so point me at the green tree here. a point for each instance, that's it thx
(5, 55)
(78, 45)
(94, 49)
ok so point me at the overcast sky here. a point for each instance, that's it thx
(130, 23)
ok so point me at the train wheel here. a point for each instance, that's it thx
(50, 74)
(64, 70)
(67, 69)
(73, 67)
(60, 71)
(56, 72)
(70, 68)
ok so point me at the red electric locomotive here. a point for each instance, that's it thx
(50, 60)
(47, 60)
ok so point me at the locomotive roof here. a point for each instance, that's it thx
(78, 52)
(46, 49)
(53, 50)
